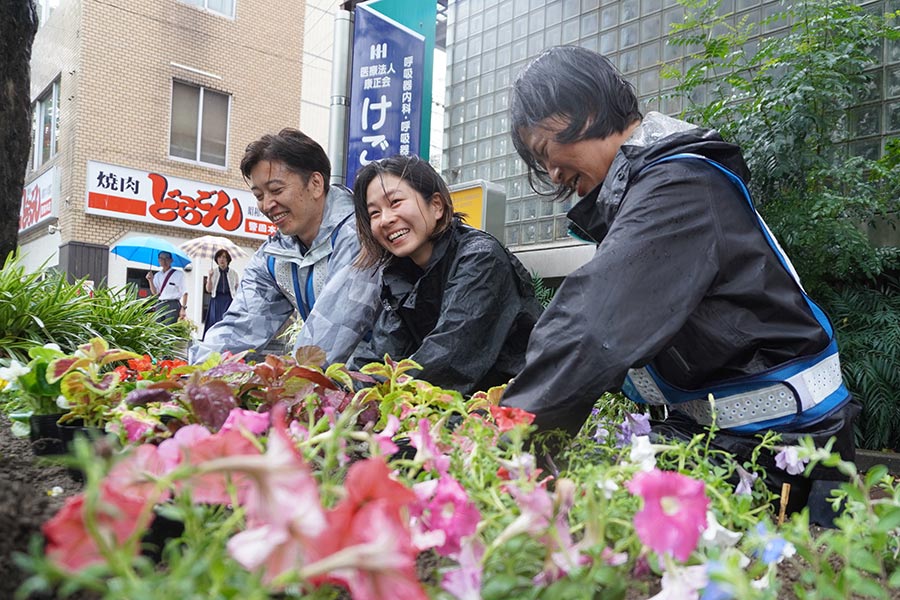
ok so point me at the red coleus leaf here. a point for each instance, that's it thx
(211, 402)
(144, 396)
(104, 385)
(59, 367)
(311, 375)
(310, 355)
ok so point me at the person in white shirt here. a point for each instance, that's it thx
(168, 286)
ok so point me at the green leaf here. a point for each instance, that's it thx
(888, 521)
(862, 558)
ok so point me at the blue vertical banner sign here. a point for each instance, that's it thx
(386, 83)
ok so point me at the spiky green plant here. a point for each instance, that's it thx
(42, 307)
(867, 320)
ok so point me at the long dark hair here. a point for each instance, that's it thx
(420, 176)
(579, 87)
(299, 153)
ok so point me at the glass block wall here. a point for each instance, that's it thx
(490, 41)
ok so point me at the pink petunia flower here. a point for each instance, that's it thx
(367, 546)
(464, 583)
(507, 417)
(674, 513)
(71, 546)
(284, 511)
(170, 449)
(195, 445)
(282, 491)
(564, 554)
(135, 474)
(255, 422)
(375, 558)
(385, 439)
(444, 506)
(427, 451)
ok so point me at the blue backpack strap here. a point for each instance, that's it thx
(301, 303)
(337, 229)
(764, 397)
(270, 266)
(770, 239)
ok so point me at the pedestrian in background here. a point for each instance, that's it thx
(168, 286)
(221, 285)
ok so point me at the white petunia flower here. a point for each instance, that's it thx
(717, 536)
(608, 487)
(9, 376)
(642, 452)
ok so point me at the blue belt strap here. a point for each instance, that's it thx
(674, 395)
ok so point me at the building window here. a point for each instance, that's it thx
(45, 126)
(222, 7)
(199, 130)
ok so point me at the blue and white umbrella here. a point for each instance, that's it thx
(146, 248)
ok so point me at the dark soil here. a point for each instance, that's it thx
(25, 501)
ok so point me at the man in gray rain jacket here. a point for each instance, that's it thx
(306, 265)
(688, 294)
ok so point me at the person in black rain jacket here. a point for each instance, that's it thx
(455, 300)
(687, 294)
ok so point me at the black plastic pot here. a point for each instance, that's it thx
(45, 435)
(72, 430)
(161, 530)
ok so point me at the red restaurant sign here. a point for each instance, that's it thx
(38, 200)
(124, 193)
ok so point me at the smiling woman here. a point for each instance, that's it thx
(455, 300)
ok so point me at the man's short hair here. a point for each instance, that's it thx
(299, 153)
(165, 254)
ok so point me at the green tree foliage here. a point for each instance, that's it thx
(786, 98)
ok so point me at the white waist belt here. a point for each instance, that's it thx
(773, 401)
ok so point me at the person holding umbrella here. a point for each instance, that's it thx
(167, 285)
(306, 266)
(221, 285)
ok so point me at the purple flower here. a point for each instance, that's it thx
(771, 547)
(716, 590)
(635, 424)
(788, 460)
(745, 485)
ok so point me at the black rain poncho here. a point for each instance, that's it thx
(465, 318)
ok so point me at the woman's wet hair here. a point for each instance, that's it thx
(580, 88)
(221, 252)
(420, 176)
(299, 153)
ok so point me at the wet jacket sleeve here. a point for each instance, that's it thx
(348, 305)
(479, 307)
(257, 312)
(620, 309)
(390, 336)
